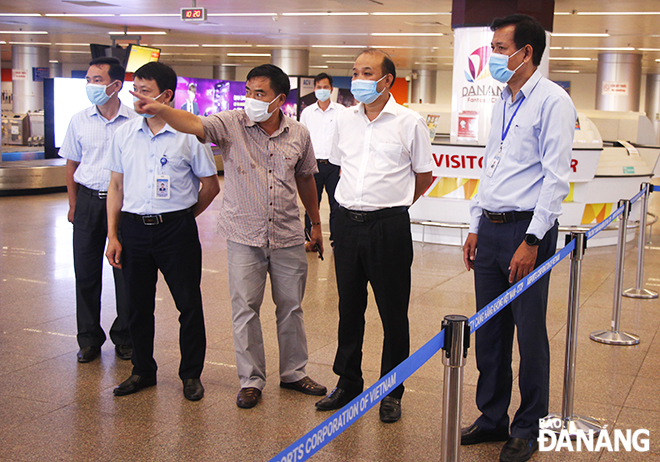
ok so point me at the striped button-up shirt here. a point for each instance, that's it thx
(260, 206)
(87, 141)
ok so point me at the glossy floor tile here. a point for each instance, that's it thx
(52, 408)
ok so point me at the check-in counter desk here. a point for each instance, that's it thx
(601, 174)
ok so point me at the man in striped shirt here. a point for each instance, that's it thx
(267, 158)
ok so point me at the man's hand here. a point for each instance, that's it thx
(113, 253)
(146, 105)
(523, 262)
(470, 250)
(317, 238)
(72, 211)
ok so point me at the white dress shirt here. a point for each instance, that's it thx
(136, 153)
(379, 158)
(322, 126)
(87, 141)
(536, 155)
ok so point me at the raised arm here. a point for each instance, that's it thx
(183, 121)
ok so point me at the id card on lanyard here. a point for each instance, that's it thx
(162, 182)
(505, 131)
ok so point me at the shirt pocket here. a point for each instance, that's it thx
(387, 156)
(525, 142)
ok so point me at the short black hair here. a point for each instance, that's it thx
(528, 31)
(322, 76)
(163, 74)
(387, 66)
(279, 81)
(116, 71)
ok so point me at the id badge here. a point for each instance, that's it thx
(493, 165)
(162, 187)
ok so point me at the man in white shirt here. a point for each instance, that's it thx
(321, 119)
(385, 157)
(85, 147)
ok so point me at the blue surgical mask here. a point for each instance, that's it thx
(322, 95)
(96, 93)
(498, 65)
(144, 114)
(365, 90)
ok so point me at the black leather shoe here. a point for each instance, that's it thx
(518, 449)
(248, 397)
(306, 386)
(390, 409)
(124, 351)
(337, 399)
(133, 384)
(475, 435)
(193, 389)
(87, 354)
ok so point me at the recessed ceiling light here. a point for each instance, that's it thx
(337, 56)
(601, 48)
(152, 15)
(648, 49)
(74, 51)
(78, 15)
(556, 34)
(566, 71)
(318, 67)
(410, 14)
(407, 34)
(618, 13)
(339, 46)
(73, 44)
(29, 43)
(340, 62)
(53, 61)
(570, 59)
(328, 13)
(224, 45)
(239, 15)
(130, 32)
(20, 15)
(182, 45)
(248, 54)
(24, 32)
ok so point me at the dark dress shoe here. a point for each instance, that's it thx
(87, 354)
(133, 384)
(337, 399)
(475, 435)
(390, 409)
(124, 351)
(248, 397)
(518, 449)
(306, 386)
(193, 389)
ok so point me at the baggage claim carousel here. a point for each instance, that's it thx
(23, 170)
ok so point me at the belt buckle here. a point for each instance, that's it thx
(151, 220)
(497, 217)
(103, 194)
(360, 217)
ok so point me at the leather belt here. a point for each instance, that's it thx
(362, 217)
(151, 220)
(507, 217)
(93, 192)
(323, 161)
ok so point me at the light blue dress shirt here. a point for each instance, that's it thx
(536, 155)
(136, 153)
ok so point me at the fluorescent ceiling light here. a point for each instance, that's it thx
(332, 33)
(130, 32)
(74, 51)
(566, 71)
(339, 46)
(337, 56)
(20, 15)
(152, 15)
(618, 13)
(52, 61)
(2, 42)
(407, 34)
(340, 62)
(657, 60)
(248, 54)
(318, 67)
(182, 45)
(648, 49)
(328, 13)
(396, 46)
(570, 59)
(191, 60)
(238, 15)
(601, 48)
(224, 45)
(427, 63)
(73, 44)
(29, 43)
(556, 34)
(24, 32)
(409, 14)
(555, 48)
(78, 15)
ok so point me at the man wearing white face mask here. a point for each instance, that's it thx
(321, 119)
(513, 229)
(85, 147)
(267, 158)
(384, 153)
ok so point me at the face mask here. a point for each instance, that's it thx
(145, 115)
(322, 95)
(257, 110)
(96, 93)
(365, 90)
(499, 67)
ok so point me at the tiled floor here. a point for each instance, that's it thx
(52, 408)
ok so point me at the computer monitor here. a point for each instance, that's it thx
(139, 55)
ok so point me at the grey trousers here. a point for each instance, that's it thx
(247, 268)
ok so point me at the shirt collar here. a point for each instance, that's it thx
(285, 123)
(145, 128)
(391, 107)
(316, 106)
(526, 89)
(122, 112)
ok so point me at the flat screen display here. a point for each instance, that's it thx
(139, 55)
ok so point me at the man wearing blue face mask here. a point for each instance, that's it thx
(384, 153)
(154, 196)
(85, 147)
(513, 229)
(321, 119)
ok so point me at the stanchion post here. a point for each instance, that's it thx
(638, 291)
(567, 420)
(614, 336)
(457, 342)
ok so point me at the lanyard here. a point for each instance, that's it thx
(506, 132)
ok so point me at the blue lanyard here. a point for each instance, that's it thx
(506, 132)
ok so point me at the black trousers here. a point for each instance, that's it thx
(173, 248)
(378, 252)
(90, 231)
(496, 244)
(327, 176)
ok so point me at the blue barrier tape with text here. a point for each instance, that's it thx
(603, 224)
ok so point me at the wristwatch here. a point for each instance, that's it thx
(531, 239)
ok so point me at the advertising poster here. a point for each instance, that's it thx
(208, 96)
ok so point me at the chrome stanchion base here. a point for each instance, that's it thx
(634, 292)
(614, 338)
(574, 425)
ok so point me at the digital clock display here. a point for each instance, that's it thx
(193, 14)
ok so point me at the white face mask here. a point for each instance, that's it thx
(257, 110)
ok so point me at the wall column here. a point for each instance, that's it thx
(28, 94)
(618, 81)
(292, 62)
(222, 72)
(424, 86)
